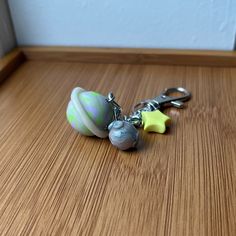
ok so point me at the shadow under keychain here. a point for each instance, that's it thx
(93, 114)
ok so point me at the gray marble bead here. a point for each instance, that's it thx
(123, 134)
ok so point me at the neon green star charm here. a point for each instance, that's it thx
(155, 121)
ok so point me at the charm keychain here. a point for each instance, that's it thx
(93, 114)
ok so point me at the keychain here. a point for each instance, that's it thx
(93, 114)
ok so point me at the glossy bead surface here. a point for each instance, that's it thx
(123, 134)
(89, 113)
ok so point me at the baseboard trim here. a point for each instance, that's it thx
(10, 63)
(132, 56)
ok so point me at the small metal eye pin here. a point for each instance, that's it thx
(116, 107)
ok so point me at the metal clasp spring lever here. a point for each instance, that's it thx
(166, 100)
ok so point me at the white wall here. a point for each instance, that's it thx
(196, 24)
(7, 37)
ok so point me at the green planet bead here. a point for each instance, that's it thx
(74, 119)
(89, 113)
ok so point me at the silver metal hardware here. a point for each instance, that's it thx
(116, 107)
(160, 102)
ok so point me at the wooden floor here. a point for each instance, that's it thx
(56, 182)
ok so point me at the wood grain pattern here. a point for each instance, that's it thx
(132, 56)
(56, 182)
(10, 62)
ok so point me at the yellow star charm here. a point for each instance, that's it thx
(155, 121)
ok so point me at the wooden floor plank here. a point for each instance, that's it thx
(56, 182)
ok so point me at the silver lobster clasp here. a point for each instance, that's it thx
(167, 98)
